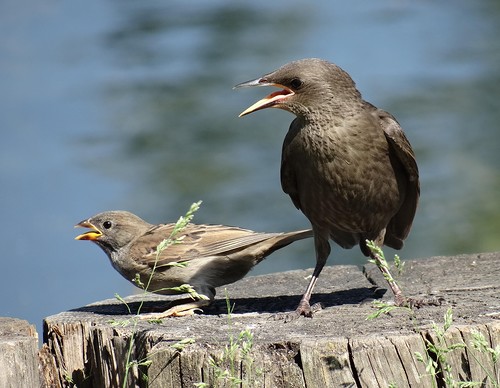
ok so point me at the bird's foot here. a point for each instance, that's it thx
(422, 302)
(179, 310)
(402, 301)
(304, 308)
(176, 311)
(308, 310)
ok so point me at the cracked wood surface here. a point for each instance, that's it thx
(338, 347)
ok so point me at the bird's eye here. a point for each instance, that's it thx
(107, 224)
(295, 83)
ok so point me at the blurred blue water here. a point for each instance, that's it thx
(128, 105)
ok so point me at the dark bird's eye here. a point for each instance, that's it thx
(107, 224)
(295, 83)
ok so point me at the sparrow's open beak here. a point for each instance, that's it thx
(269, 101)
(92, 234)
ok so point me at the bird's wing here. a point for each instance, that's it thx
(400, 225)
(288, 177)
(222, 240)
(195, 241)
(144, 246)
(400, 145)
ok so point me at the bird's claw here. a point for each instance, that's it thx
(304, 308)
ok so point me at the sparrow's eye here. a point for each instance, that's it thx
(107, 224)
(295, 83)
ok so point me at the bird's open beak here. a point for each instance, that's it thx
(269, 101)
(92, 234)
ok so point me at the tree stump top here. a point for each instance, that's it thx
(470, 284)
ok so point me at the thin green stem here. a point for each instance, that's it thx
(179, 226)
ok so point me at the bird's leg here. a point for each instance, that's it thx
(322, 248)
(304, 307)
(399, 298)
(187, 306)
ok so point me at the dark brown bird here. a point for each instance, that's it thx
(346, 164)
(210, 256)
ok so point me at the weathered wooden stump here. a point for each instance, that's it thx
(338, 347)
(18, 354)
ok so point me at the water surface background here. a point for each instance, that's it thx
(128, 105)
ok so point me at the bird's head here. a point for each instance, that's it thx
(306, 85)
(112, 230)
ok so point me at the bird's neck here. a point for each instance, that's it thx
(318, 121)
(333, 125)
(330, 111)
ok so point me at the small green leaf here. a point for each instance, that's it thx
(448, 319)
(137, 281)
(180, 345)
(419, 356)
(179, 264)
